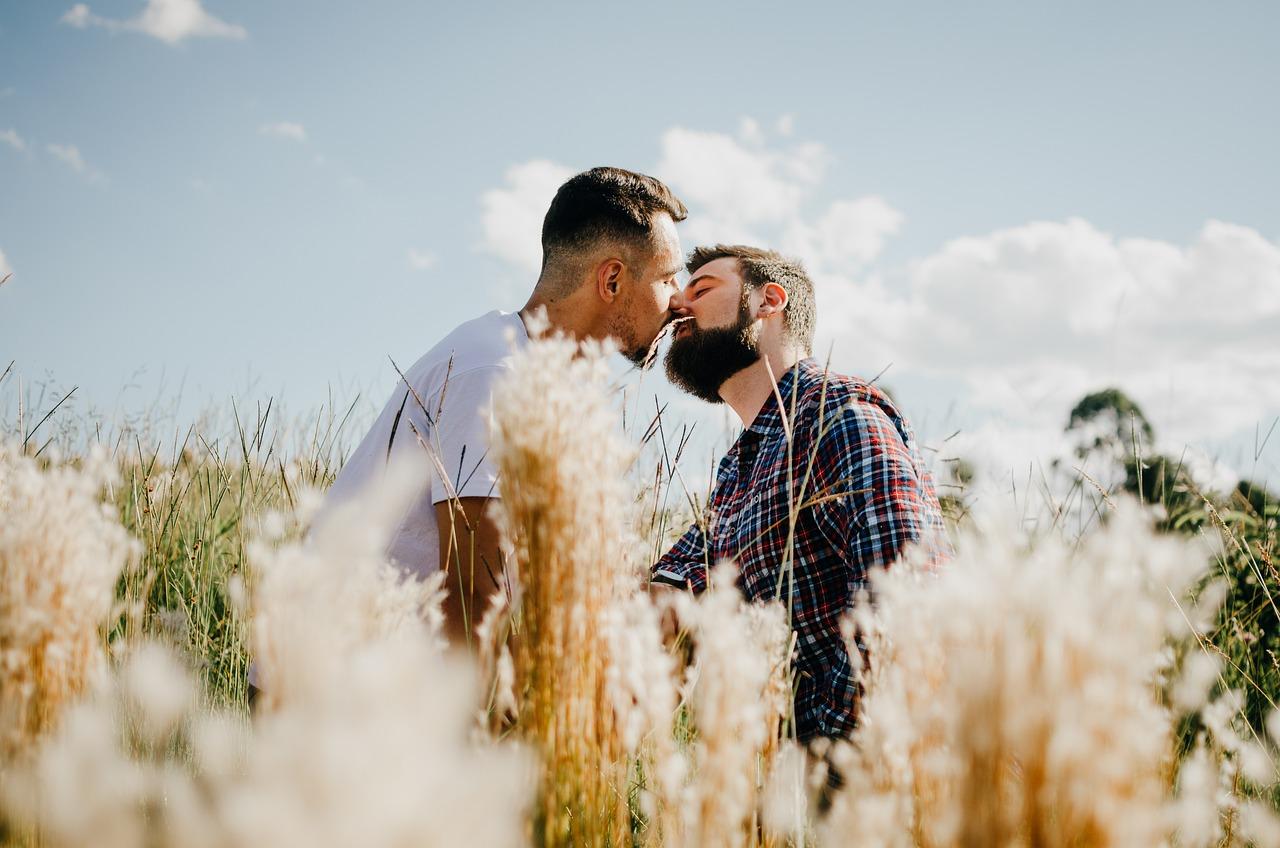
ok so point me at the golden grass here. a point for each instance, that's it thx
(1035, 693)
(61, 553)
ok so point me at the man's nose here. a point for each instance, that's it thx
(679, 304)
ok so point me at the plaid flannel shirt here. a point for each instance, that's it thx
(868, 495)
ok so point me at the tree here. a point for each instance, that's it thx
(1109, 418)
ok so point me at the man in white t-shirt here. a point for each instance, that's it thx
(610, 256)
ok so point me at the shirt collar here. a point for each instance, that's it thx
(768, 422)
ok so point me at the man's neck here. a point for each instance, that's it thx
(748, 390)
(572, 316)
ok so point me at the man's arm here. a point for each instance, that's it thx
(886, 505)
(471, 559)
(685, 565)
(464, 483)
(681, 569)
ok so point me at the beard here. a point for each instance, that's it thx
(623, 330)
(636, 356)
(701, 361)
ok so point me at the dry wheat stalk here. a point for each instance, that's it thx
(61, 551)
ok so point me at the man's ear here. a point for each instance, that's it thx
(609, 279)
(773, 299)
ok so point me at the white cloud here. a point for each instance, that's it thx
(749, 131)
(1004, 452)
(511, 219)
(287, 129)
(741, 189)
(421, 260)
(849, 233)
(11, 138)
(171, 21)
(80, 17)
(738, 186)
(1028, 319)
(1037, 466)
(1033, 317)
(70, 156)
(737, 189)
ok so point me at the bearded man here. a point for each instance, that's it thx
(825, 483)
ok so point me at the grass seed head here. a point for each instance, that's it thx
(1016, 696)
(61, 552)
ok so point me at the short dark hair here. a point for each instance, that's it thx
(605, 203)
(759, 266)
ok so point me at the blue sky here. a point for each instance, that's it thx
(1007, 204)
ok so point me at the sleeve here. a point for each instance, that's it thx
(461, 437)
(685, 565)
(874, 502)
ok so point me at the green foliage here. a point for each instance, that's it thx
(1241, 524)
(195, 513)
(1259, 499)
(1124, 419)
(1246, 636)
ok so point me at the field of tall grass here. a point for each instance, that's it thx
(1105, 681)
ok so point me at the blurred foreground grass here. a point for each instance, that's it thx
(195, 503)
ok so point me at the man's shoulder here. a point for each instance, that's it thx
(829, 400)
(820, 388)
(485, 342)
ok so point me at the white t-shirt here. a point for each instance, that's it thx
(463, 366)
(479, 350)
